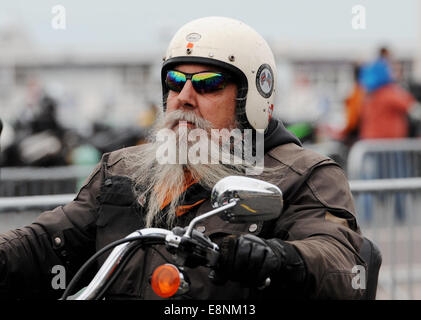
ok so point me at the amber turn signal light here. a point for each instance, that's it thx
(165, 280)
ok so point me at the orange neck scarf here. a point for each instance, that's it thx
(188, 182)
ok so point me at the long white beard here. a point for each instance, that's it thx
(155, 181)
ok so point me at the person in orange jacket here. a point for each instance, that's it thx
(387, 105)
(353, 103)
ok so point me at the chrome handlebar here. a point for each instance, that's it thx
(177, 244)
(113, 261)
(168, 237)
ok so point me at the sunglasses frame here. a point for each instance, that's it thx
(189, 76)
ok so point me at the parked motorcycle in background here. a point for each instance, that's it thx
(38, 139)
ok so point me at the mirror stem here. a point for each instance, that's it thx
(189, 231)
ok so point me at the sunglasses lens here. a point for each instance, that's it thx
(207, 82)
(175, 80)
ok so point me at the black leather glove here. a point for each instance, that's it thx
(251, 260)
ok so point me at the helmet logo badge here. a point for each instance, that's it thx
(264, 80)
(193, 37)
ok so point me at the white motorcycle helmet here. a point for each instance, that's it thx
(237, 48)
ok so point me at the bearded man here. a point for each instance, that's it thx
(218, 74)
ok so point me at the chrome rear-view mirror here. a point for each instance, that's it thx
(257, 200)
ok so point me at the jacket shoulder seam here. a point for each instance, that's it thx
(302, 153)
(116, 156)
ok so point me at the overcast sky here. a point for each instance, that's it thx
(148, 25)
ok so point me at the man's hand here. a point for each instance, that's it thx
(251, 260)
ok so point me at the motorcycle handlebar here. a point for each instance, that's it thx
(122, 248)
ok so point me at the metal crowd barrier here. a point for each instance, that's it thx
(34, 202)
(385, 180)
(397, 238)
(385, 159)
(17, 212)
(27, 181)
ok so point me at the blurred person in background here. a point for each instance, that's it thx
(353, 104)
(386, 113)
(387, 105)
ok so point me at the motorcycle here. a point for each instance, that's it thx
(235, 199)
(37, 138)
(106, 138)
